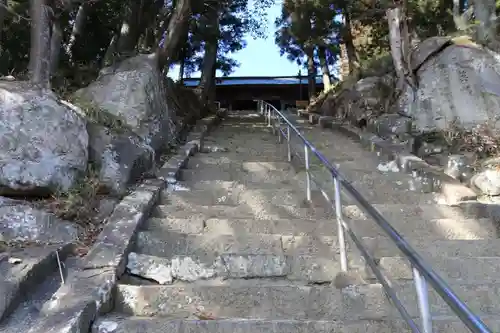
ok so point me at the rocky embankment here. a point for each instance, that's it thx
(65, 164)
(450, 119)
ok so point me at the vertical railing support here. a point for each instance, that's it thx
(268, 115)
(340, 226)
(279, 130)
(308, 175)
(423, 301)
(288, 143)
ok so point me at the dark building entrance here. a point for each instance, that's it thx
(240, 93)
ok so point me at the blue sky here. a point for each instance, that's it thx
(260, 57)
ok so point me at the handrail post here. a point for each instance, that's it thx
(340, 226)
(423, 301)
(279, 129)
(288, 144)
(269, 115)
(308, 175)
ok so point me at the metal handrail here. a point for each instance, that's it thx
(422, 271)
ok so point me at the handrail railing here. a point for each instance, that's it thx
(422, 271)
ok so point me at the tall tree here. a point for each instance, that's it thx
(41, 17)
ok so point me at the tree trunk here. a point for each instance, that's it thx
(485, 13)
(182, 67)
(172, 37)
(77, 29)
(311, 73)
(394, 17)
(324, 68)
(55, 45)
(3, 15)
(213, 85)
(149, 24)
(130, 30)
(111, 51)
(210, 58)
(400, 47)
(39, 66)
(349, 57)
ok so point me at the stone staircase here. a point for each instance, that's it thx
(233, 247)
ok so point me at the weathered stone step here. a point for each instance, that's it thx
(366, 301)
(431, 247)
(198, 163)
(415, 228)
(258, 302)
(445, 221)
(196, 267)
(235, 196)
(207, 324)
(280, 226)
(228, 185)
(298, 258)
(259, 210)
(275, 155)
(170, 244)
(266, 174)
(453, 269)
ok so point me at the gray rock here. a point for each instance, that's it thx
(121, 156)
(136, 92)
(458, 167)
(390, 124)
(426, 49)
(459, 79)
(43, 143)
(19, 222)
(164, 271)
(150, 267)
(364, 99)
(253, 266)
(189, 270)
(488, 179)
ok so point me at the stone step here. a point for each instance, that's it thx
(267, 174)
(376, 241)
(299, 258)
(429, 248)
(299, 302)
(280, 226)
(228, 185)
(254, 301)
(423, 220)
(206, 245)
(453, 269)
(276, 155)
(250, 211)
(207, 324)
(236, 196)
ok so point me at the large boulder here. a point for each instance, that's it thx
(366, 98)
(459, 85)
(43, 143)
(135, 92)
(121, 157)
(20, 222)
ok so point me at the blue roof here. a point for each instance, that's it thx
(236, 81)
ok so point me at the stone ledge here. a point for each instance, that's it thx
(89, 291)
(451, 190)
